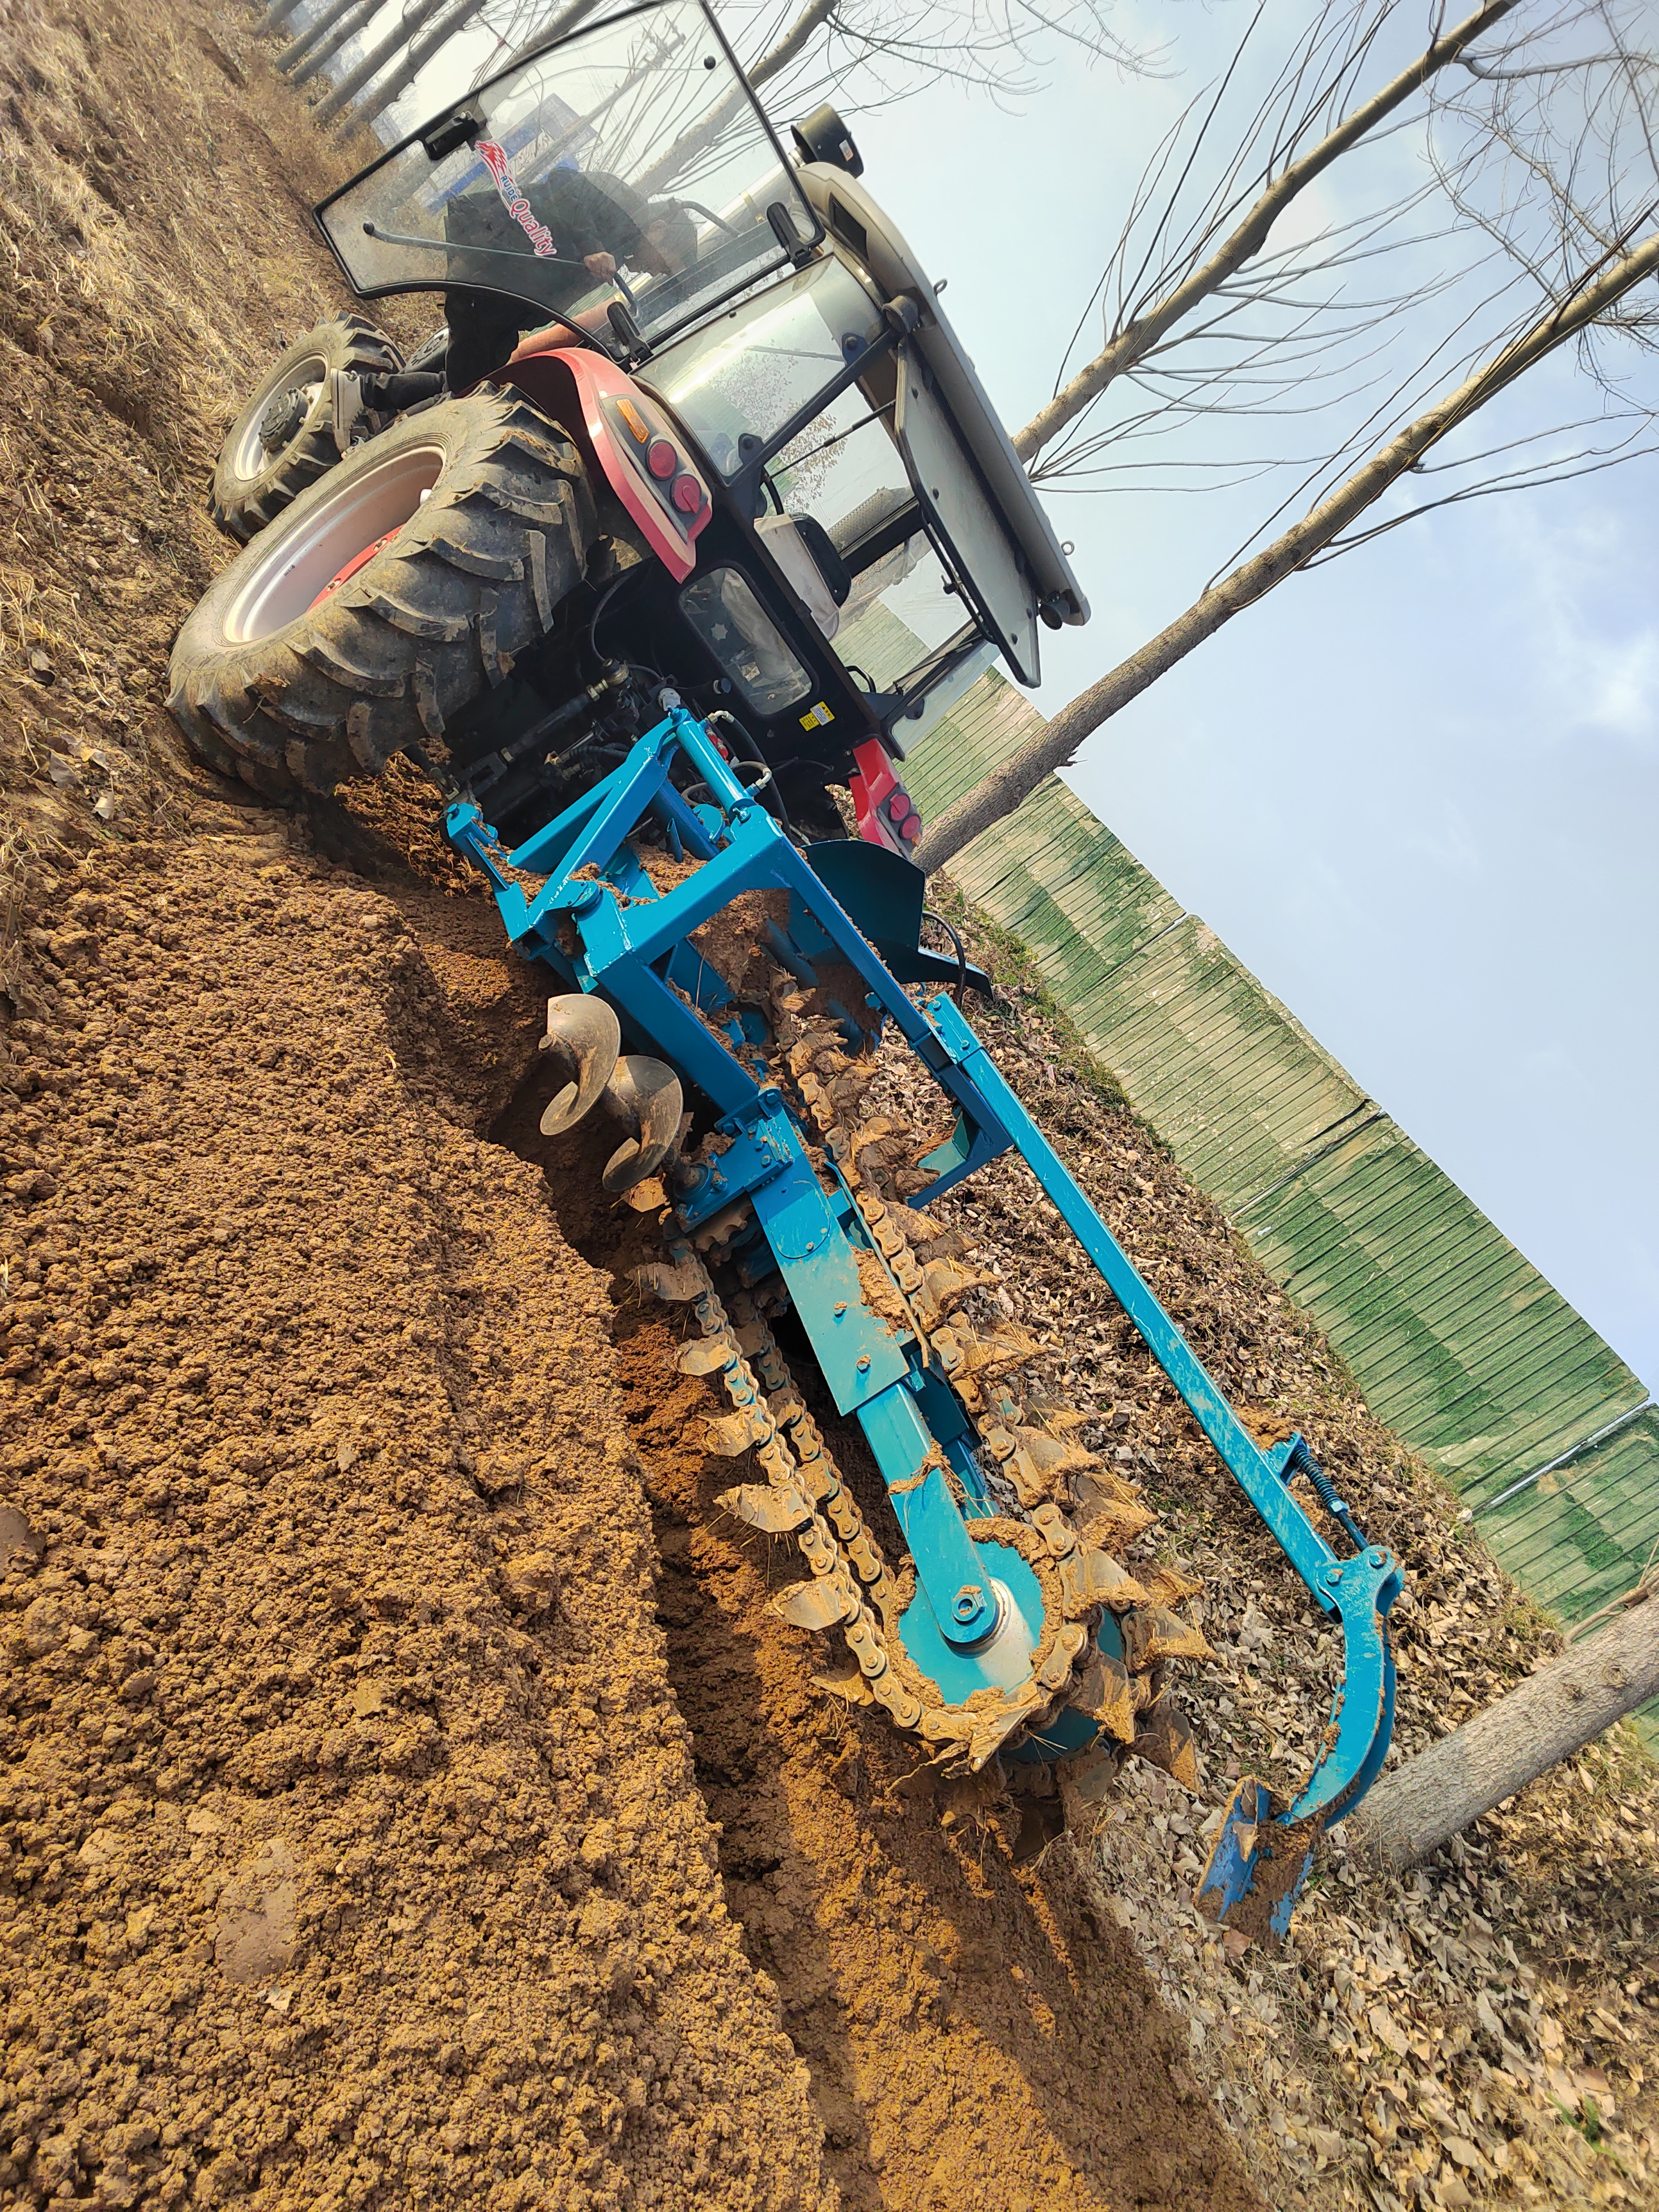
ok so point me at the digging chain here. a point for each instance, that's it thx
(817, 1467)
(841, 1583)
(803, 1495)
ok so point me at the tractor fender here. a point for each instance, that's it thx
(617, 426)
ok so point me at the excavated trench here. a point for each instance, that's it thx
(969, 2024)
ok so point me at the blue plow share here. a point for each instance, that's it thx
(602, 928)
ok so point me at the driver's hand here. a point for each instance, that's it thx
(600, 264)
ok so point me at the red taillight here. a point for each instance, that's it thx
(898, 805)
(687, 495)
(911, 831)
(661, 459)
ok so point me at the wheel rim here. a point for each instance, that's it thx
(285, 578)
(252, 459)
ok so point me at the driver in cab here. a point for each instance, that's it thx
(581, 227)
(568, 231)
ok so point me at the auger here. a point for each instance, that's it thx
(1003, 1627)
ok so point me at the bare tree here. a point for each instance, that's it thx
(1191, 271)
(301, 62)
(1528, 231)
(396, 41)
(1323, 527)
(867, 53)
(315, 32)
(415, 54)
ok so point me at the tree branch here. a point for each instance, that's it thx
(703, 134)
(1011, 784)
(1128, 346)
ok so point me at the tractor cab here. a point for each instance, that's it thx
(822, 529)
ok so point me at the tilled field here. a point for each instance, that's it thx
(355, 1851)
(407, 1798)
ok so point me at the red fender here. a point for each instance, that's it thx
(624, 434)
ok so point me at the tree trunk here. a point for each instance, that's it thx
(1009, 785)
(554, 27)
(356, 19)
(276, 14)
(293, 53)
(685, 149)
(376, 59)
(1565, 1705)
(414, 61)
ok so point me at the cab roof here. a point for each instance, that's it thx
(852, 216)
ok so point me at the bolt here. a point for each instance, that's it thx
(1376, 1558)
(1333, 1576)
(968, 1599)
(864, 1363)
(841, 1308)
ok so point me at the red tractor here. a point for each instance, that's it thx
(739, 454)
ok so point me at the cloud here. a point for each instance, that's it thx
(1621, 687)
(1601, 669)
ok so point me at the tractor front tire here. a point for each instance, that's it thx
(254, 481)
(387, 597)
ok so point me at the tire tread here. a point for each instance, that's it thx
(242, 507)
(429, 624)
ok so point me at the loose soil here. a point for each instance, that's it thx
(356, 1856)
(968, 2025)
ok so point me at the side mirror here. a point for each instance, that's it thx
(823, 137)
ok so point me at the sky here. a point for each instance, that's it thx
(1417, 790)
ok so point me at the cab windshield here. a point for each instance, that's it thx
(628, 165)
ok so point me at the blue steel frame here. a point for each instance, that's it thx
(632, 943)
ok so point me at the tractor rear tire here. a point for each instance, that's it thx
(462, 527)
(252, 483)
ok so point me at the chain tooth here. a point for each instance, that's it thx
(1033, 1453)
(840, 1595)
(818, 1468)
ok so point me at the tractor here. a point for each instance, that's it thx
(753, 462)
(693, 518)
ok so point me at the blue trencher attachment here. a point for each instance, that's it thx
(975, 1620)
